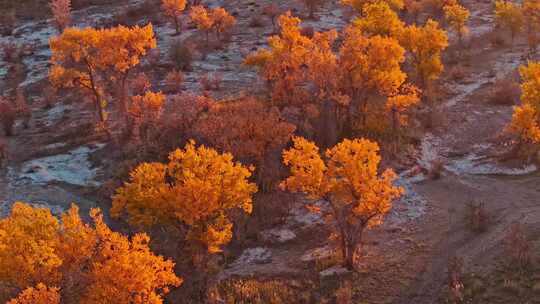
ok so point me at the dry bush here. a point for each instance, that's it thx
(140, 84)
(272, 11)
(505, 92)
(344, 294)
(8, 22)
(12, 52)
(61, 10)
(456, 73)
(478, 216)
(211, 81)
(49, 97)
(7, 116)
(518, 248)
(3, 152)
(252, 291)
(153, 57)
(181, 54)
(256, 21)
(22, 108)
(497, 39)
(308, 31)
(436, 168)
(455, 279)
(174, 81)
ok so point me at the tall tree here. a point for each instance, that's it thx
(457, 17)
(348, 179)
(510, 16)
(174, 9)
(425, 45)
(96, 59)
(198, 188)
(525, 124)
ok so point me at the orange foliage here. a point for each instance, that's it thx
(90, 264)
(379, 19)
(509, 15)
(282, 65)
(348, 179)
(174, 9)
(39, 295)
(94, 59)
(368, 67)
(198, 188)
(247, 128)
(457, 17)
(217, 19)
(360, 4)
(425, 45)
(525, 120)
(531, 13)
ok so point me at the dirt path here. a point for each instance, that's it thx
(466, 144)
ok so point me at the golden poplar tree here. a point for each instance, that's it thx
(425, 45)
(282, 65)
(509, 15)
(368, 67)
(174, 9)
(457, 17)
(95, 59)
(531, 13)
(525, 120)
(359, 5)
(198, 188)
(348, 179)
(379, 19)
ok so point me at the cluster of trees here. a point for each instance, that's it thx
(363, 80)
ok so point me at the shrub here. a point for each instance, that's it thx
(61, 10)
(22, 109)
(140, 84)
(344, 294)
(174, 81)
(12, 52)
(256, 21)
(308, 31)
(478, 216)
(181, 53)
(211, 81)
(436, 169)
(7, 116)
(518, 248)
(505, 92)
(49, 96)
(8, 24)
(272, 11)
